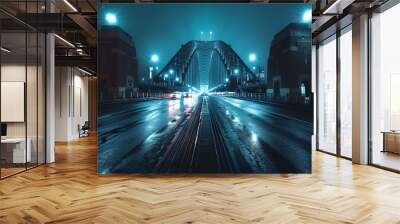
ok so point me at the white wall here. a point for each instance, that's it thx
(71, 102)
(13, 72)
(13, 101)
(314, 90)
(80, 112)
(62, 82)
(33, 127)
(17, 73)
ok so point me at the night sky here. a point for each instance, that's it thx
(162, 28)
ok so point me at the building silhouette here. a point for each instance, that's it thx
(117, 63)
(289, 65)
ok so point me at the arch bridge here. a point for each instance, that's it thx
(205, 65)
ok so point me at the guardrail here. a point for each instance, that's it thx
(137, 97)
(268, 98)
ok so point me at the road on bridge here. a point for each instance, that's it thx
(205, 134)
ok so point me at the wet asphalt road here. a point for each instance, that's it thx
(257, 138)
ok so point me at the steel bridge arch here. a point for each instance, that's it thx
(185, 65)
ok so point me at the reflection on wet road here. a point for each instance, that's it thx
(137, 124)
(264, 136)
(202, 134)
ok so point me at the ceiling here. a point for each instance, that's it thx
(75, 21)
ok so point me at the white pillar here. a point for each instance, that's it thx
(360, 90)
(50, 106)
(50, 93)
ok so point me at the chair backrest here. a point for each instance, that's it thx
(86, 125)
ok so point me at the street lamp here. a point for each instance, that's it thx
(226, 80)
(177, 79)
(154, 58)
(111, 18)
(151, 72)
(171, 71)
(254, 68)
(211, 33)
(201, 35)
(307, 16)
(252, 57)
(236, 71)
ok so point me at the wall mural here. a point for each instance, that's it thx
(204, 88)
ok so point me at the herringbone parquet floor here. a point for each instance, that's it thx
(70, 191)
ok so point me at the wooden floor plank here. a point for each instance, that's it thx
(70, 191)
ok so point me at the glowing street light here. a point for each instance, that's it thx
(254, 67)
(226, 80)
(211, 33)
(252, 57)
(154, 58)
(236, 71)
(151, 72)
(111, 18)
(253, 137)
(307, 16)
(171, 71)
(177, 79)
(201, 35)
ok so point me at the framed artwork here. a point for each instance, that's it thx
(204, 88)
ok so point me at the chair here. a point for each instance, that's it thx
(84, 130)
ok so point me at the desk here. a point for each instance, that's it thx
(391, 141)
(13, 150)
